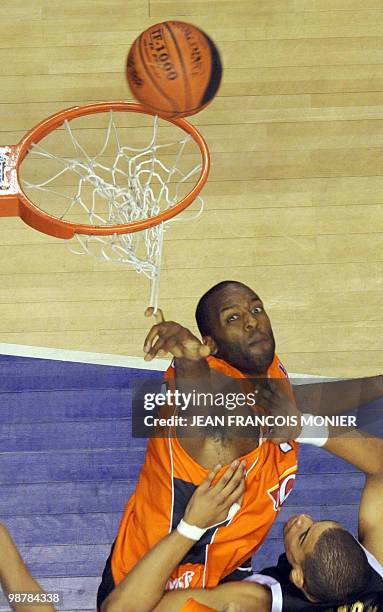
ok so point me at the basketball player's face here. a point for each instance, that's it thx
(300, 534)
(242, 330)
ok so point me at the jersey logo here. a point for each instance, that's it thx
(183, 582)
(280, 492)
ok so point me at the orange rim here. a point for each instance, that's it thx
(42, 221)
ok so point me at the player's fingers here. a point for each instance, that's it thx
(159, 344)
(204, 350)
(174, 346)
(267, 389)
(235, 480)
(268, 394)
(205, 484)
(238, 492)
(155, 331)
(194, 347)
(278, 387)
(158, 314)
(273, 385)
(226, 477)
(264, 399)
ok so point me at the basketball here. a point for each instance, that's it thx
(174, 69)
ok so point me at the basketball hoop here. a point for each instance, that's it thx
(112, 175)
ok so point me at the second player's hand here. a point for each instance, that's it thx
(210, 503)
(275, 398)
(170, 337)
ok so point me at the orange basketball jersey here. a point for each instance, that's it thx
(168, 478)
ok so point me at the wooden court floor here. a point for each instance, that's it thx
(294, 200)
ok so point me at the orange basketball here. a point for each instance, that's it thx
(174, 69)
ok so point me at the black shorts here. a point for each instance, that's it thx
(107, 583)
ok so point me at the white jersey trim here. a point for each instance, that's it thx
(373, 561)
(273, 585)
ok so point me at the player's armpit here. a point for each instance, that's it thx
(250, 596)
(371, 516)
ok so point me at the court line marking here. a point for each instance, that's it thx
(107, 359)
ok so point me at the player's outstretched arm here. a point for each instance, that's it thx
(363, 451)
(15, 577)
(143, 588)
(371, 516)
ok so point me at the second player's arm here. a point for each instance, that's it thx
(363, 451)
(145, 584)
(16, 579)
(371, 516)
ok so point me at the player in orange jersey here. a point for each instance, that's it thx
(238, 342)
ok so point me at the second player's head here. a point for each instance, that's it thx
(328, 564)
(233, 322)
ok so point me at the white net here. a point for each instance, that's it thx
(85, 172)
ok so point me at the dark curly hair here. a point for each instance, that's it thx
(337, 570)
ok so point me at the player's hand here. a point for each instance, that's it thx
(170, 337)
(211, 503)
(277, 400)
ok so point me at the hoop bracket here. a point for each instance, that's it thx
(9, 185)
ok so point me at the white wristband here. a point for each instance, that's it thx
(195, 533)
(190, 531)
(317, 435)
